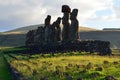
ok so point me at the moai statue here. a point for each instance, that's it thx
(65, 21)
(39, 38)
(35, 36)
(74, 27)
(30, 38)
(52, 33)
(47, 26)
(58, 33)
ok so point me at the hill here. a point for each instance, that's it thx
(16, 37)
(112, 36)
(85, 29)
(25, 29)
(12, 40)
(109, 29)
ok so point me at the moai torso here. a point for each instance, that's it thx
(39, 38)
(74, 27)
(58, 33)
(65, 22)
(30, 38)
(47, 29)
(52, 33)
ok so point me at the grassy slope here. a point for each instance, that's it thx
(4, 71)
(36, 66)
(11, 40)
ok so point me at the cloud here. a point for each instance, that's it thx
(17, 13)
(116, 10)
(110, 17)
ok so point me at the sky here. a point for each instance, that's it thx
(97, 14)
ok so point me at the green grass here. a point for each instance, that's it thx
(12, 49)
(75, 64)
(4, 71)
(56, 67)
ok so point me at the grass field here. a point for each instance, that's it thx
(65, 66)
(4, 71)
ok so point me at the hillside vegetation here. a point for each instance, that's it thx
(4, 71)
(65, 66)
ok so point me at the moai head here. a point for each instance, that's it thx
(73, 14)
(58, 20)
(66, 9)
(54, 25)
(47, 20)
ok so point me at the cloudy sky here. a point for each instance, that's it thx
(93, 13)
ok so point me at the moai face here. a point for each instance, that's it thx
(47, 20)
(73, 14)
(54, 24)
(65, 18)
(58, 20)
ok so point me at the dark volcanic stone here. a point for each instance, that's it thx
(68, 77)
(95, 74)
(99, 69)
(110, 78)
(115, 62)
(79, 79)
(105, 62)
(44, 79)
